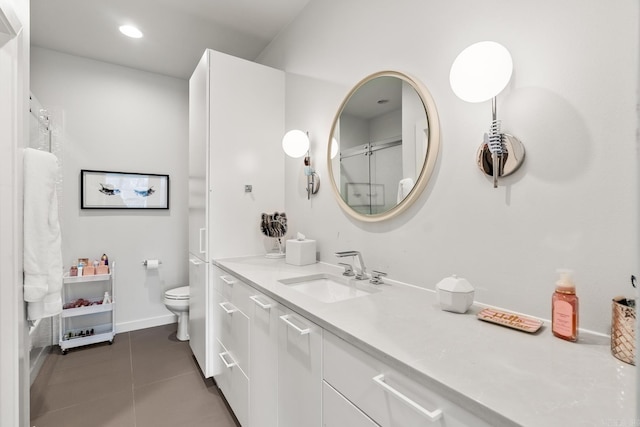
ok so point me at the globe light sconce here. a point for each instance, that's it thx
(335, 148)
(295, 143)
(479, 73)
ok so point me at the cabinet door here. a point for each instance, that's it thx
(263, 397)
(198, 155)
(299, 371)
(201, 296)
(337, 411)
(240, 92)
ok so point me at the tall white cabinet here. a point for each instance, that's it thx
(236, 124)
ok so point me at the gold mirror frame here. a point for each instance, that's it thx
(433, 148)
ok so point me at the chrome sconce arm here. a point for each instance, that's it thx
(479, 73)
(500, 154)
(313, 179)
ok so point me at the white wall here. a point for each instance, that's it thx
(121, 119)
(572, 101)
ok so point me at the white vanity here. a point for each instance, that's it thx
(393, 358)
(287, 355)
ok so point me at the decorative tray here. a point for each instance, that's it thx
(510, 320)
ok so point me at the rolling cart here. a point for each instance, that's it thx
(87, 319)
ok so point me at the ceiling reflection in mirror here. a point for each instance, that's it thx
(387, 132)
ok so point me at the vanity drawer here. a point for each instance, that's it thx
(233, 383)
(233, 289)
(234, 332)
(337, 411)
(390, 398)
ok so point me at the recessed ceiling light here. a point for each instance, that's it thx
(130, 31)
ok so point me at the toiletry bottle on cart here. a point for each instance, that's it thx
(564, 308)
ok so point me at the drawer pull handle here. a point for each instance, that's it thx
(226, 309)
(431, 415)
(227, 280)
(224, 356)
(195, 262)
(202, 248)
(256, 299)
(286, 320)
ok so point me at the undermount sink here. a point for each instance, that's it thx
(329, 288)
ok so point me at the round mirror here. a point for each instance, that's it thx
(386, 137)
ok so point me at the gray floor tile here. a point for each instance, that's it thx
(146, 378)
(114, 410)
(224, 419)
(102, 366)
(177, 401)
(93, 386)
(149, 367)
(82, 357)
(159, 335)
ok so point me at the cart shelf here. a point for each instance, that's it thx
(86, 279)
(90, 309)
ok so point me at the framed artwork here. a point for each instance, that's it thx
(123, 190)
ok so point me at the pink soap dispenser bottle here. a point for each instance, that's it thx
(564, 308)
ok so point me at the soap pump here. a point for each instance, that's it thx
(107, 298)
(564, 308)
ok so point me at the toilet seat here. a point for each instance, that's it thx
(177, 301)
(178, 294)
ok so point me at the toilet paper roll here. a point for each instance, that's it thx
(152, 264)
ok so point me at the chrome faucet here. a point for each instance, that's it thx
(360, 274)
(348, 269)
(376, 277)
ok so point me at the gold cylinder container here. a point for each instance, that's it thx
(623, 338)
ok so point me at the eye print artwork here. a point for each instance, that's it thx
(145, 193)
(109, 190)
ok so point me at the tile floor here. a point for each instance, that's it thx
(146, 378)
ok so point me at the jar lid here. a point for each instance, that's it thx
(455, 284)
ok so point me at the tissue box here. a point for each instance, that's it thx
(301, 252)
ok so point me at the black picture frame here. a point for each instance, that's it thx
(123, 190)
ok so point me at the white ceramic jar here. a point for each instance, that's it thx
(455, 294)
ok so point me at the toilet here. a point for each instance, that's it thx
(177, 301)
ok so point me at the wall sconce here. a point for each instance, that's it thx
(295, 143)
(479, 73)
(335, 148)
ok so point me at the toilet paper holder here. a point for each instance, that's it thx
(144, 263)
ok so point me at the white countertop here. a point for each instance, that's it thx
(529, 379)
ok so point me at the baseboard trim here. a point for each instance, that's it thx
(146, 323)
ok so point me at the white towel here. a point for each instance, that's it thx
(42, 239)
(404, 188)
